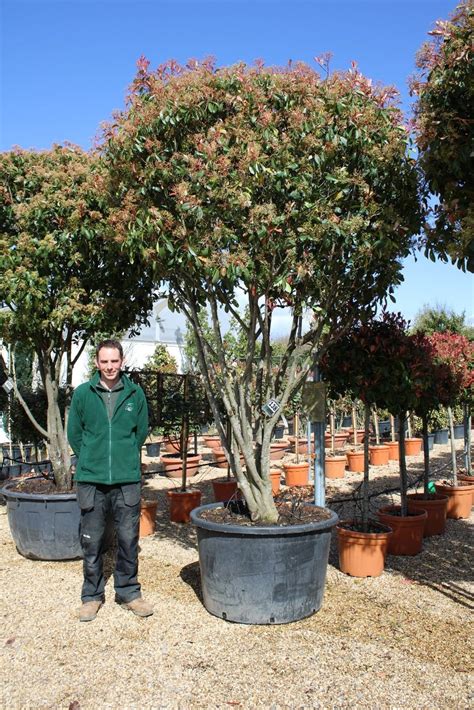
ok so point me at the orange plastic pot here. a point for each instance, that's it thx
(296, 474)
(225, 489)
(303, 446)
(393, 450)
(212, 442)
(340, 439)
(147, 517)
(355, 461)
(173, 465)
(360, 436)
(278, 449)
(413, 446)
(334, 466)
(459, 499)
(407, 538)
(436, 507)
(379, 455)
(467, 479)
(275, 475)
(172, 444)
(181, 504)
(220, 458)
(362, 554)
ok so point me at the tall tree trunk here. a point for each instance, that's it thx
(57, 441)
(467, 439)
(453, 448)
(365, 484)
(403, 464)
(426, 457)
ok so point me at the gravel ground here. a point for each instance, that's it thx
(403, 640)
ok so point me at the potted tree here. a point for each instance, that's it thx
(456, 352)
(263, 184)
(61, 281)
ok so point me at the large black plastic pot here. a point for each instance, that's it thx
(44, 527)
(262, 575)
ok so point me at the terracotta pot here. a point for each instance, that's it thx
(212, 442)
(355, 461)
(171, 444)
(303, 446)
(459, 499)
(275, 476)
(182, 503)
(360, 436)
(413, 446)
(467, 479)
(362, 554)
(393, 450)
(225, 489)
(334, 466)
(407, 538)
(278, 449)
(379, 455)
(435, 506)
(340, 438)
(296, 474)
(220, 459)
(147, 517)
(172, 465)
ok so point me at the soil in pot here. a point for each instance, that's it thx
(407, 537)
(334, 466)
(296, 474)
(435, 506)
(173, 465)
(181, 504)
(379, 455)
(459, 498)
(362, 554)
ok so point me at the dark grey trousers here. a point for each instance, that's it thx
(99, 503)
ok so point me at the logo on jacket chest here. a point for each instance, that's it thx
(129, 407)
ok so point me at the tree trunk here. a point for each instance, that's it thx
(365, 484)
(426, 457)
(57, 441)
(403, 464)
(467, 439)
(453, 449)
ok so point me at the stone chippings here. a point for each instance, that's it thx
(403, 640)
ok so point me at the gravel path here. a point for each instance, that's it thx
(403, 640)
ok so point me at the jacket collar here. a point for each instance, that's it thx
(128, 385)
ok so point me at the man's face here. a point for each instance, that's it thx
(109, 364)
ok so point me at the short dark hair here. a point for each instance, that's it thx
(109, 343)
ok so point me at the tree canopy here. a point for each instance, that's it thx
(275, 185)
(444, 122)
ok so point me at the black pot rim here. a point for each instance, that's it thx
(34, 496)
(263, 530)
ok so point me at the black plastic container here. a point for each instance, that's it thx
(262, 575)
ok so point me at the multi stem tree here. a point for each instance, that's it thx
(62, 277)
(445, 135)
(276, 186)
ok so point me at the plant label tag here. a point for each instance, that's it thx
(271, 407)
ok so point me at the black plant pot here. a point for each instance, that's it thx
(262, 575)
(278, 431)
(153, 449)
(459, 431)
(441, 436)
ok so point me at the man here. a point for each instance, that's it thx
(107, 425)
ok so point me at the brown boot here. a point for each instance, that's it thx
(138, 606)
(88, 610)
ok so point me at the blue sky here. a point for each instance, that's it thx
(66, 65)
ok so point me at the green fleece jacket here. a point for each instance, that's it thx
(108, 450)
